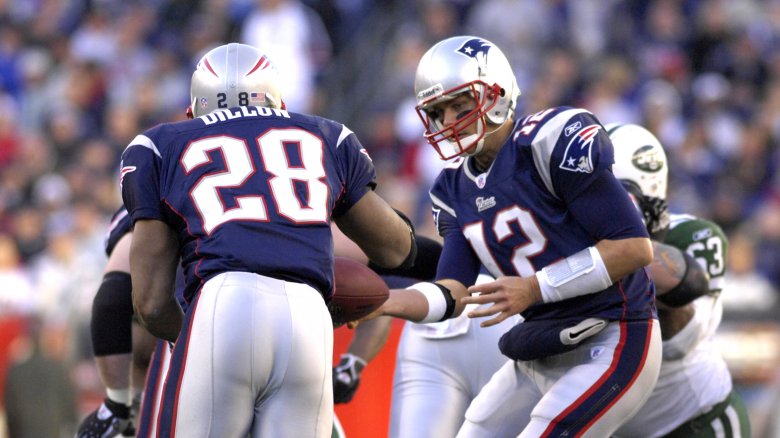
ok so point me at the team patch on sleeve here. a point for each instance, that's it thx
(578, 157)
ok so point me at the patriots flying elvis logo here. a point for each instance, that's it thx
(475, 48)
(124, 171)
(577, 157)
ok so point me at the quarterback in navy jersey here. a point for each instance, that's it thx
(245, 194)
(534, 201)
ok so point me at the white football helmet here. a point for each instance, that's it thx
(641, 165)
(464, 64)
(234, 75)
(639, 158)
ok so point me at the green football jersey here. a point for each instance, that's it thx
(704, 241)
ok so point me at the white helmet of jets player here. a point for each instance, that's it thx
(640, 163)
(234, 75)
(464, 64)
(639, 158)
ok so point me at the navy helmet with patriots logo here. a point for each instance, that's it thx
(464, 64)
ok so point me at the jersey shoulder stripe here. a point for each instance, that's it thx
(438, 203)
(143, 140)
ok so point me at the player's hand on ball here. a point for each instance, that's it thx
(346, 377)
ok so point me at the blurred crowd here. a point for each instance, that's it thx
(80, 78)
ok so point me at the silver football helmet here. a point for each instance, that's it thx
(464, 64)
(641, 165)
(234, 75)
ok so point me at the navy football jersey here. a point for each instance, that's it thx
(531, 208)
(248, 189)
(119, 226)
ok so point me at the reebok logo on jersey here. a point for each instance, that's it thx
(577, 157)
(571, 129)
(701, 234)
(485, 203)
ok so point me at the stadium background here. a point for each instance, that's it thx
(80, 78)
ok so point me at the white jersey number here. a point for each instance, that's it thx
(710, 250)
(239, 167)
(501, 228)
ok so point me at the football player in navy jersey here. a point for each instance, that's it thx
(244, 193)
(534, 200)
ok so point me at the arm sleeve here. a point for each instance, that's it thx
(359, 175)
(139, 179)
(578, 161)
(457, 260)
(607, 196)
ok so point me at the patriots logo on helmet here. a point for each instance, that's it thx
(577, 157)
(475, 48)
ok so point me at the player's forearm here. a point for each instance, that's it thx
(163, 322)
(409, 304)
(622, 257)
(153, 260)
(384, 236)
(426, 301)
(673, 320)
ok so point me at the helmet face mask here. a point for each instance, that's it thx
(451, 141)
(234, 75)
(457, 65)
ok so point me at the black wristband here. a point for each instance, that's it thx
(424, 265)
(694, 284)
(410, 258)
(450, 302)
(405, 218)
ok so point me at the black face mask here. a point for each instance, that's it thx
(655, 212)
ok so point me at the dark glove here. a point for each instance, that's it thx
(656, 216)
(346, 377)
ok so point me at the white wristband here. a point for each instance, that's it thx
(437, 304)
(579, 274)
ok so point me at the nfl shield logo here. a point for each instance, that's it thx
(481, 179)
(204, 102)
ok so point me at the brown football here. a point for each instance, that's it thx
(358, 291)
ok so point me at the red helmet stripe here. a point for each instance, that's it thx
(209, 67)
(261, 64)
